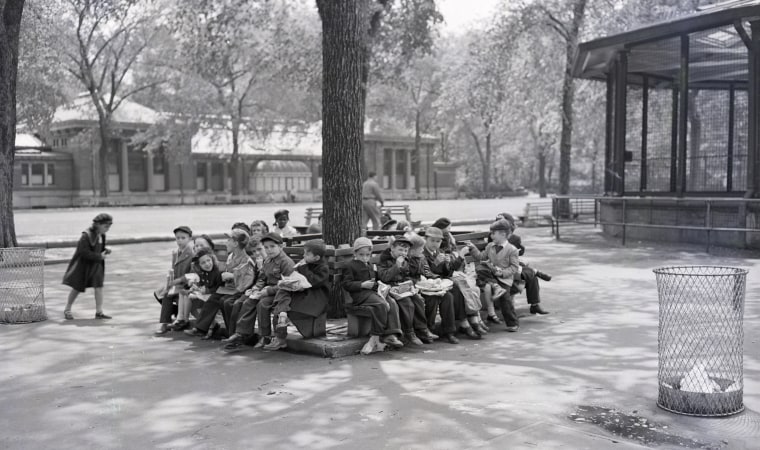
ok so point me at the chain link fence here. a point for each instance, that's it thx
(701, 339)
(22, 280)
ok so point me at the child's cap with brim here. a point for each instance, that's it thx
(361, 243)
(274, 237)
(185, 229)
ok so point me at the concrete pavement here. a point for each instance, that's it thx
(112, 384)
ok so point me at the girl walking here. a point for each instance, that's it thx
(87, 267)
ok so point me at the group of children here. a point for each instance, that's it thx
(402, 293)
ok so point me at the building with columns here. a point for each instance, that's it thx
(275, 164)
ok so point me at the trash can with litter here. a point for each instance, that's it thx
(22, 280)
(701, 339)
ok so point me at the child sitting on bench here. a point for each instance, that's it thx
(394, 269)
(358, 279)
(276, 265)
(316, 271)
(496, 272)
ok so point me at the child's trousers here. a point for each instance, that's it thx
(411, 311)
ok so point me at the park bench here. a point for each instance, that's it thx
(313, 213)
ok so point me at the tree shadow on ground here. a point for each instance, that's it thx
(116, 385)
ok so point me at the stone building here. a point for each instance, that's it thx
(276, 164)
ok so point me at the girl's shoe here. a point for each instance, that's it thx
(102, 315)
(180, 325)
(479, 329)
(68, 316)
(470, 333)
(494, 319)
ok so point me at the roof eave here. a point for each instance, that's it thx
(661, 31)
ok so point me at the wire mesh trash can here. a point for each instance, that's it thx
(22, 281)
(701, 339)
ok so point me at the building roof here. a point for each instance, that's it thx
(717, 51)
(279, 140)
(25, 140)
(81, 111)
(277, 166)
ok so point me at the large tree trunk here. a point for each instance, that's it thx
(10, 27)
(344, 63)
(542, 174)
(568, 95)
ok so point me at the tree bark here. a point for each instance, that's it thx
(345, 62)
(10, 28)
(541, 174)
(417, 145)
(235, 159)
(105, 143)
(568, 95)
(486, 165)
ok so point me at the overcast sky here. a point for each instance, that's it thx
(459, 14)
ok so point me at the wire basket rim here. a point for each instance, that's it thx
(681, 271)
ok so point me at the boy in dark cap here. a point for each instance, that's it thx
(276, 265)
(182, 259)
(87, 267)
(312, 300)
(281, 227)
(500, 263)
(394, 269)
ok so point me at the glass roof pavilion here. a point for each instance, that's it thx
(682, 107)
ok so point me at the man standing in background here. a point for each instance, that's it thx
(370, 197)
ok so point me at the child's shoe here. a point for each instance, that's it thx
(262, 342)
(493, 318)
(163, 329)
(413, 339)
(276, 344)
(180, 325)
(195, 332)
(236, 338)
(211, 332)
(393, 341)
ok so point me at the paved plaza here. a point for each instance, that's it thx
(135, 222)
(112, 384)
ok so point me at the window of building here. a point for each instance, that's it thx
(200, 176)
(50, 174)
(159, 164)
(38, 175)
(24, 174)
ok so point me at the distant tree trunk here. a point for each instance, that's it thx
(105, 143)
(568, 95)
(417, 145)
(541, 174)
(10, 28)
(344, 63)
(235, 159)
(486, 165)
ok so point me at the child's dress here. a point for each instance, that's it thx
(87, 267)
